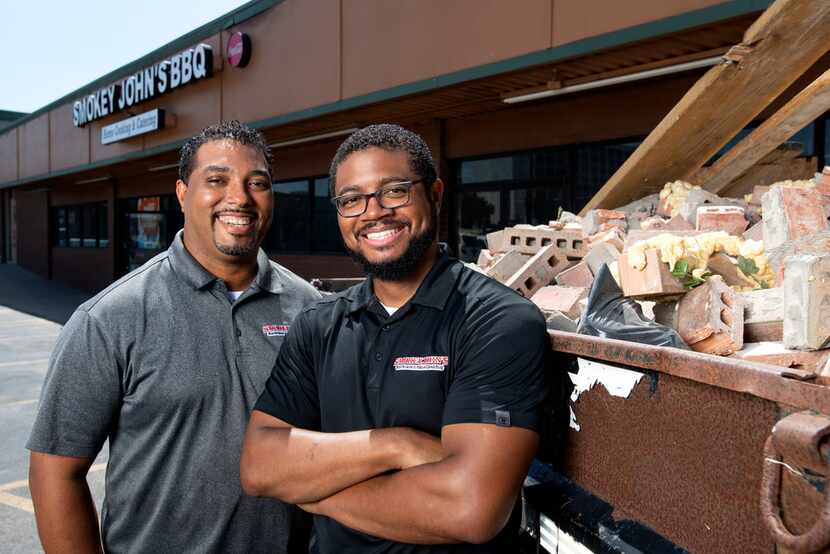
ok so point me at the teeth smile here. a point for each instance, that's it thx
(240, 221)
(381, 234)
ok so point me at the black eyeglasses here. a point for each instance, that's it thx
(390, 196)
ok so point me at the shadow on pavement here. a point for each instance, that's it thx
(26, 292)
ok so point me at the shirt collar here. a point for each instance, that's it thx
(192, 272)
(433, 291)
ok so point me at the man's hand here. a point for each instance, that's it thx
(65, 514)
(299, 466)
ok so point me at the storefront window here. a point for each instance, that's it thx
(304, 218)
(325, 234)
(529, 187)
(148, 226)
(83, 226)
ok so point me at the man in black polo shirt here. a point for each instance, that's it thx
(402, 412)
(166, 365)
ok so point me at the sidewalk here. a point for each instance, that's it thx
(26, 292)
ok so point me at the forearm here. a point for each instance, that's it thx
(430, 504)
(299, 466)
(65, 512)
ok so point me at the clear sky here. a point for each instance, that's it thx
(53, 47)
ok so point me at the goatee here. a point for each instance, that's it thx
(407, 263)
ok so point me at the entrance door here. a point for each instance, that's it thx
(148, 226)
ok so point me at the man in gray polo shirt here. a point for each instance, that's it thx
(166, 364)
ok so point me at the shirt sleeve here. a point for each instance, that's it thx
(290, 393)
(499, 378)
(81, 396)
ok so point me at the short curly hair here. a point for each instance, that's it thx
(227, 130)
(388, 137)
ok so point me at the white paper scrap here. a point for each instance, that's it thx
(617, 381)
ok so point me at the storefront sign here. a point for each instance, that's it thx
(134, 126)
(188, 66)
(239, 50)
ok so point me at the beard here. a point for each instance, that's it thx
(236, 249)
(408, 262)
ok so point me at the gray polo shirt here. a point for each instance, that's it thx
(167, 368)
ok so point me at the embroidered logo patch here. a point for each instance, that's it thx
(275, 330)
(421, 363)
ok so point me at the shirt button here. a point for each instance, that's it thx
(239, 332)
(378, 356)
(387, 327)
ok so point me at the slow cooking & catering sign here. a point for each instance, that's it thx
(188, 66)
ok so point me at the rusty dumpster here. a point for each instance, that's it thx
(668, 450)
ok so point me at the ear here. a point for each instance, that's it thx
(181, 191)
(437, 192)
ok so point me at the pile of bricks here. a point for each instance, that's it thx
(722, 308)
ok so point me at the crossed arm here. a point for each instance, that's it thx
(461, 488)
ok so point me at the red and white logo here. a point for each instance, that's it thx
(239, 50)
(275, 330)
(421, 363)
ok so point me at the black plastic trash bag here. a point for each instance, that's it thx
(611, 315)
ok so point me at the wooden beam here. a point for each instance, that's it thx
(788, 38)
(809, 104)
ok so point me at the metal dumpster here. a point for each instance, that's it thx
(667, 450)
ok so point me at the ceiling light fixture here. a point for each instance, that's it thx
(314, 138)
(95, 180)
(648, 74)
(163, 167)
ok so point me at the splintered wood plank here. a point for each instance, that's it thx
(809, 104)
(789, 37)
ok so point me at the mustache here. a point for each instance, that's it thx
(380, 222)
(235, 211)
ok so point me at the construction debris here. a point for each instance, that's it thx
(727, 280)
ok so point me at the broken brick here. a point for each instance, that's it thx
(654, 223)
(485, 259)
(756, 232)
(823, 181)
(507, 265)
(730, 219)
(613, 237)
(791, 213)
(727, 267)
(538, 271)
(528, 239)
(559, 298)
(602, 253)
(577, 276)
(653, 281)
(710, 318)
(775, 353)
(758, 193)
(807, 302)
(496, 242)
(592, 222)
(763, 314)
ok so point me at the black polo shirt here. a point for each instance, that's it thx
(464, 349)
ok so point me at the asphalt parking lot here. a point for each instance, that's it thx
(32, 312)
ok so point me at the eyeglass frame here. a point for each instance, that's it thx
(377, 195)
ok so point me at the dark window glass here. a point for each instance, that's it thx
(60, 227)
(478, 214)
(805, 140)
(89, 225)
(73, 224)
(325, 234)
(290, 228)
(103, 227)
(594, 165)
(505, 168)
(535, 206)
